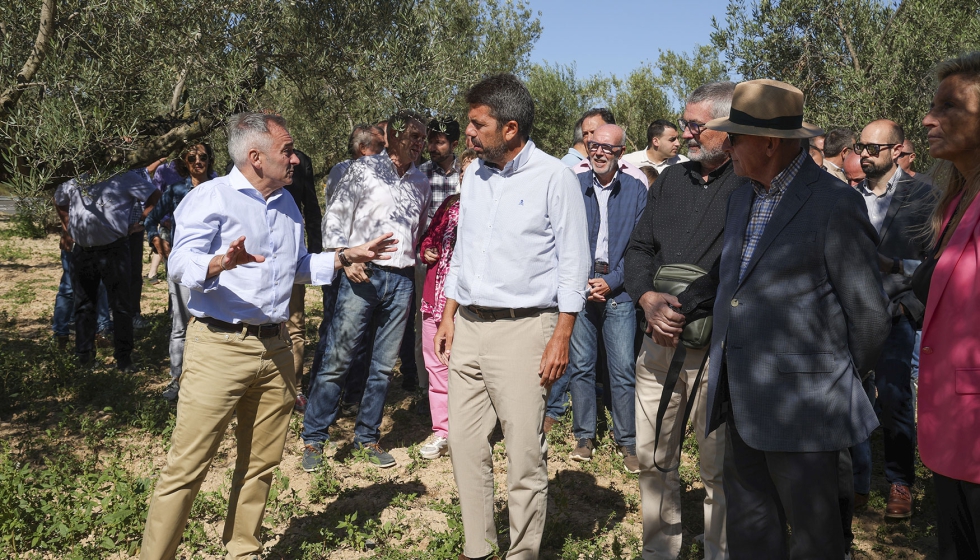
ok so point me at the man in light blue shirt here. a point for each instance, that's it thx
(237, 357)
(518, 279)
(576, 154)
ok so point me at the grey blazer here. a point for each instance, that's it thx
(809, 315)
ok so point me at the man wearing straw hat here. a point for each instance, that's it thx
(799, 319)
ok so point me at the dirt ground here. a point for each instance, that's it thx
(594, 509)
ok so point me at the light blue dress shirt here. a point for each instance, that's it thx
(522, 238)
(220, 211)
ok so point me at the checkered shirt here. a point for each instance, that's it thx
(763, 206)
(443, 184)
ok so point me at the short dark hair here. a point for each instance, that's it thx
(180, 166)
(508, 100)
(447, 126)
(606, 114)
(836, 140)
(657, 128)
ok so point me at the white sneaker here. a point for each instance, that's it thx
(436, 448)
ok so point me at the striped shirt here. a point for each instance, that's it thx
(763, 205)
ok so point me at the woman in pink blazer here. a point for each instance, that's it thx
(949, 284)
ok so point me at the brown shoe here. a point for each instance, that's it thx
(583, 451)
(549, 423)
(899, 502)
(630, 461)
(464, 557)
(860, 501)
(102, 341)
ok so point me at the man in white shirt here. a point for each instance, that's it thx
(237, 358)
(384, 192)
(517, 278)
(663, 142)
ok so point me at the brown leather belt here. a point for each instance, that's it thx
(258, 331)
(495, 313)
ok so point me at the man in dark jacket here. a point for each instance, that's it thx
(614, 202)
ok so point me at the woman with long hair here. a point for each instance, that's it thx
(948, 282)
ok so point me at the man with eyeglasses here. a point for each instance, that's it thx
(663, 142)
(896, 206)
(682, 224)
(614, 202)
(591, 121)
(905, 160)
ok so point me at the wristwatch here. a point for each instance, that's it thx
(896, 265)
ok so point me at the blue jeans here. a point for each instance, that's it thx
(616, 323)
(894, 406)
(357, 371)
(64, 303)
(558, 397)
(382, 301)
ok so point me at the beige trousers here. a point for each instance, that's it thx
(660, 493)
(493, 373)
(296, 326)
(224, 373)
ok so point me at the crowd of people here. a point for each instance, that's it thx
(783, 289)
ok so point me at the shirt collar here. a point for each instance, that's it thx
(239, 182)
(438, 168)
(518, 162)
(889, 189)
(597, 184)
(782, 179)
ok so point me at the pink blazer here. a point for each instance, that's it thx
(949, 359)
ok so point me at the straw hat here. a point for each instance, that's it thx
(766, 108)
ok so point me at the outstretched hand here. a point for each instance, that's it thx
(237, 255)
(373, 250)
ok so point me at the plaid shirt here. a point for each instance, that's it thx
(443, 184)
(763, 206)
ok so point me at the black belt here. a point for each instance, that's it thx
(601, 267)
(495, 313)
(117, 243)
(258, 331)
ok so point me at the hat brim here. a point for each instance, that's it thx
(724, 125)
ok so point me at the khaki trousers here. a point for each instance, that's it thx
(296, 326)
(493, 373)
(660, 493)
(224, 373)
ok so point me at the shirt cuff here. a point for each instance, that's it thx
(195, 274)
(571, 301)
(322, 271)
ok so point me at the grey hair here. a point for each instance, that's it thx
(719, 94)
(247, 131)
(361, 136)
(577, 135)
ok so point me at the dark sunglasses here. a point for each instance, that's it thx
(732, 138)
(873, 149)
(608, 149)
(193, 158)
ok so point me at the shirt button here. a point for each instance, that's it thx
(734, 303)
(927, 350)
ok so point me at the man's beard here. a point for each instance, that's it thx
(874, 171)
(702, 155)
(494, 154)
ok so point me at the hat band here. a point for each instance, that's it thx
(792, 122)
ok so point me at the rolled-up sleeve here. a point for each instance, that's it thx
(196, 240)
(567, 211)
(315, 268)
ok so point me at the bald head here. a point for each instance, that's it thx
(610, 134)
(879, 159)
(605, 148)
(852, 169)
(883, 131)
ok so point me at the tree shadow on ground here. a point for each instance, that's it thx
(367, 502)
(578, 508)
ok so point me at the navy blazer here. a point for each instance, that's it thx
(807, 318)
(626, 203)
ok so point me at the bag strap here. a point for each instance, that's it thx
(673, 373)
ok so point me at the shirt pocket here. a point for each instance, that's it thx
(819, 362)
(967, 381)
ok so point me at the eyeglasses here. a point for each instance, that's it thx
(608, 149)
(873, 149)
(694, 126)
(904, 154)
(193, 158)
(732, 138)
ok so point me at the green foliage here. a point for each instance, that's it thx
(855, 60)
(70, 506)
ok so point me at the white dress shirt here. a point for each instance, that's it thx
(522, 238)
(334, 177)
(640, 158)
(220, 211)
(371, 200)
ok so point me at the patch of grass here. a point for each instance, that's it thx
(13, 252)
(22, 293)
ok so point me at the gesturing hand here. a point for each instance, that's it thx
(373, 250)
(237, 255)
(664, 324)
